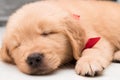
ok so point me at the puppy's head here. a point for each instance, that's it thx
(40, 37)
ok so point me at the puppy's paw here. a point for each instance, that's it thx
(90, 65)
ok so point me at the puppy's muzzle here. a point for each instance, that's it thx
(34, 60)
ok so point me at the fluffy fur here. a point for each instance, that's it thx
(48, 27)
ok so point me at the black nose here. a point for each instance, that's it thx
(34, 60)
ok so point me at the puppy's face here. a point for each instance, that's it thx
(43, 49)
(38, 39)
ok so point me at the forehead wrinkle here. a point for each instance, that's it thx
(51, 25)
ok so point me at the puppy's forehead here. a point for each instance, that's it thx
(37, 16)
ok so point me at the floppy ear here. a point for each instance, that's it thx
(5, 51)
(5, 54)
(76, 36)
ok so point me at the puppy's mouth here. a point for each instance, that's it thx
(41, 71)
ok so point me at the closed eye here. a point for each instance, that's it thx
(47, 33)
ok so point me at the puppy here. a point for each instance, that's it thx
(43, 35)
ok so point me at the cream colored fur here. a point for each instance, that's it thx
(66, 36)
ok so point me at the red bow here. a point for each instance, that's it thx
(91, 42)
(76, 16)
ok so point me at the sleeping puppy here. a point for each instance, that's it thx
(43, 35)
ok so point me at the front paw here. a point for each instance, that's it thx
(91, 65)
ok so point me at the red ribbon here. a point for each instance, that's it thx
(76, 16)
(91, 42)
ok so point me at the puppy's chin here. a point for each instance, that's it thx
(42, 71)
(39, 70)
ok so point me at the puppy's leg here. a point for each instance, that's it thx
(95, 60)
(116, 57)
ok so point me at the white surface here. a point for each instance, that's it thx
(10, 72)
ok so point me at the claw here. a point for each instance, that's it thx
(87, 74)
(96, 73)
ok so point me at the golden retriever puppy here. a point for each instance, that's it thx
(43, 35)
